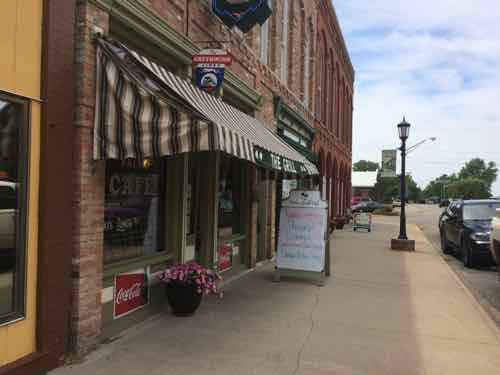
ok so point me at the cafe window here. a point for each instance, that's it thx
(14, 124)
(134, 209)
(229, 197)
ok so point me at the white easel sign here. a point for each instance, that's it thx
(302, 233)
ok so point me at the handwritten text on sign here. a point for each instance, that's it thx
(301, 244)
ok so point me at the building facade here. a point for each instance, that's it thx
(333, 109)
(36, 118)
(152, 170)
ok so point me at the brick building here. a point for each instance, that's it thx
(211, 173)
(333, 109)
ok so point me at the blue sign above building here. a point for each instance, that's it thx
(242, 14)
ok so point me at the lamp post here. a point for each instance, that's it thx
(402, 242)
(404, 132)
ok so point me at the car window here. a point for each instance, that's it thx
(7, 198)
(483, 211)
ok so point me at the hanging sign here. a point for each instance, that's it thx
(388, 163)
(209, 68)
(130, 293)
(242, 14)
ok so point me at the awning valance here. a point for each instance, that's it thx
(143, 110)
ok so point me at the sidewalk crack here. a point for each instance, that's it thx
(309, 333)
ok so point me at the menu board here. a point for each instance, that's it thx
(301, 242)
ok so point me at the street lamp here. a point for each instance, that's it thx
(404, 133)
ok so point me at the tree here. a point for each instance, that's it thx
(365, 166)
(478, 169)
(388, 188)
(435, 187)
(469, 188)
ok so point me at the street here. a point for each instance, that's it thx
(483, 283)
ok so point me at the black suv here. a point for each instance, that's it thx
(465, 228)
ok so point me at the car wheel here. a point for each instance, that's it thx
(445, 246)
(466, 255)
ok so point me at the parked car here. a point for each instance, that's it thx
(369, 206)
(465, 228)
(396, 202)
(495, 238)
(355, 201)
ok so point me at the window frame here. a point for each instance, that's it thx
(264, 42)
(284, 55)
(161, 235)
(19, 294)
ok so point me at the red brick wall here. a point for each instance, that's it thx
(333, 120)
(88, 188)
(194, 19)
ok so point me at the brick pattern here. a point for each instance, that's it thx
(334, 82)
(88, 188)
(195, 20)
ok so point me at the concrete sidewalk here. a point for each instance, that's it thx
(381, 312)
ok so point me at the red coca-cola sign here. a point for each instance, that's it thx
(130, 293)
(225, 257)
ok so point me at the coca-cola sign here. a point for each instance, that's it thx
(130, 293)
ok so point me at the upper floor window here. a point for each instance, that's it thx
(307, 69)
(284, 42)
(264, 42)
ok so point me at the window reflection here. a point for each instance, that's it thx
(13, 118)
(132, 210)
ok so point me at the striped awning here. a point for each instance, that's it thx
(143, 110)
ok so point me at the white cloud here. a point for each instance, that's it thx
(435, 62)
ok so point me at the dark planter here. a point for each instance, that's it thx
(182, 298)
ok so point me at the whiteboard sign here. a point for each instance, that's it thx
(301, 242)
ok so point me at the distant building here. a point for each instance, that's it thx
(363, 184)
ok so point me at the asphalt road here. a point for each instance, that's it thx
(483, 283)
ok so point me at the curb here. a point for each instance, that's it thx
(487, 311)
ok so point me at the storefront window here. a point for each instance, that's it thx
(288, 186)
(229, 197)
(13, 159)
(133, 219)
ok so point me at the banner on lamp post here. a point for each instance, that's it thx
(388, 165)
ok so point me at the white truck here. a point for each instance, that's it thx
(8, 208)
(495, 238)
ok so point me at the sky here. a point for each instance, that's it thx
(435, 62)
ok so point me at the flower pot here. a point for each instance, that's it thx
(182, 298)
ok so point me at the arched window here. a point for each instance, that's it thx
(331, 106)
(284, 42)
(307, 68)
(264, 42)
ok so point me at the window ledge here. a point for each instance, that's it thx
(131, 264)
(232, 238)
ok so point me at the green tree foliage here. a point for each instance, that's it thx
(469, 188)
(388, 188)
(434, 188)
(478, 169)
(365, 166)
(473, 181)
